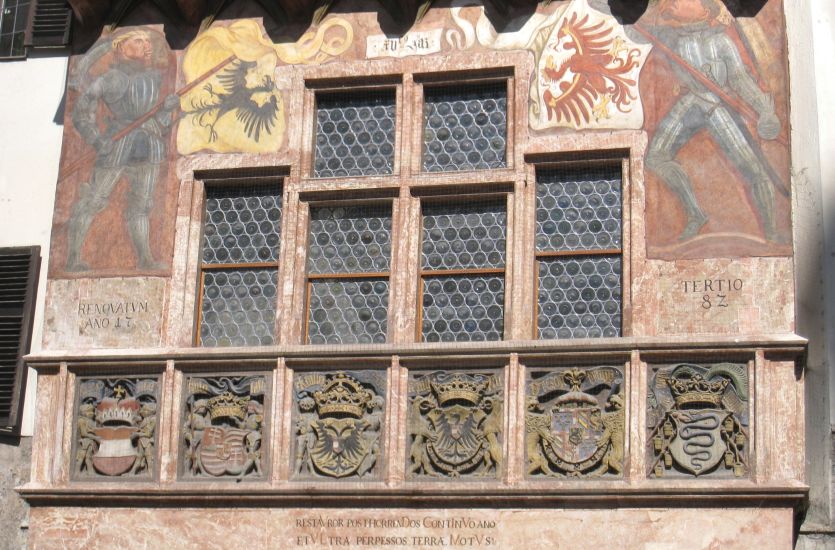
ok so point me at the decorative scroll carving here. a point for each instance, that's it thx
(698, 419)
(338, 424)
(223, 427)
(574, 422)
(455, 425)
(116, 427)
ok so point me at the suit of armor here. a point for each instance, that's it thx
(129, 89)
(709, 50)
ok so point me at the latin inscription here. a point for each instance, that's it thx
(402, 532)
(713, 292)
(96, 316)
(414, 43)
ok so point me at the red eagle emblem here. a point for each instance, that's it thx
(595, 74)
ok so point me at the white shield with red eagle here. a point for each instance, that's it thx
(587, 73)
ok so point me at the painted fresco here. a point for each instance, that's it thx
(707, 89)
(114, 203)
(717, 163)
(231, 103)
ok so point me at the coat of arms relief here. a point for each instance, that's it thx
(455, 425)
(223, 427)
(116, 424)
(698, 419)
(574, 422)
(338, 424)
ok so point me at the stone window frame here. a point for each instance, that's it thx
(592, 161)
(228, 179)
(488, 194)
(309, 278)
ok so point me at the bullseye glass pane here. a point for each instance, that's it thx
(464, 235)
(238, 307)
(463, 308)
(348, 312)
(579, 297)
(465, 128)
(242, 224)
(355, 135)
(578, 209)
(349, 239)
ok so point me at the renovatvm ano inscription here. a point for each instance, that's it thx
(115, 427)
(404, 531)
(94, 316)
(574, 422)
(698, 420)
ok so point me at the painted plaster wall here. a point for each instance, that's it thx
(31, 126)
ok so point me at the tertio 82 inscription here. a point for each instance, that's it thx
(713, 292)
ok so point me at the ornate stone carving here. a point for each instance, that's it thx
(455, 424)
(574, 422)
(338, 424)
(698, 420)
(223, 427)
(116, 424)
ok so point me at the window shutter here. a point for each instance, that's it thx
(19, 269)
(49, 24)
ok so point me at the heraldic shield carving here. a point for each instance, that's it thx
(455, 424)
(698, 420)
(574, 422)
(116, 424)
(338, 424)
(223, 427)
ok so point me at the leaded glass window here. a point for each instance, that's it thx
(348, 267)
(462, 270)
(355, 134)
(465, 128)
(579, 251)
(239, 270)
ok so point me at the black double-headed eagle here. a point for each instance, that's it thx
(250, 96)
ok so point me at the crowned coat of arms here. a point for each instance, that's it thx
(574, 422)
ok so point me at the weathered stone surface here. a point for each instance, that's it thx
(15, 458)
(730, 296)
(309, 529)
(104, 313)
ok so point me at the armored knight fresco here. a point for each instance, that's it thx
(116, 423)
(130, 142)
(455, 425)
(223, 427)
(338, 423)
(574, 422)
(698, 420)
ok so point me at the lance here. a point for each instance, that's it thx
(148, 115)
(739, 106)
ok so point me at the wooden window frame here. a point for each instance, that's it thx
(232, 181)
(492, 194)
(590, 163)
(309, 278)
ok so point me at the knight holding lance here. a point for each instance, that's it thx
(129, 89)
(710, 68)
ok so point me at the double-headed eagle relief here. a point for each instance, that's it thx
(574, 422)
(116, 424)
(698, 420)
(455, 425)
(223, 427)
(338, 424)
